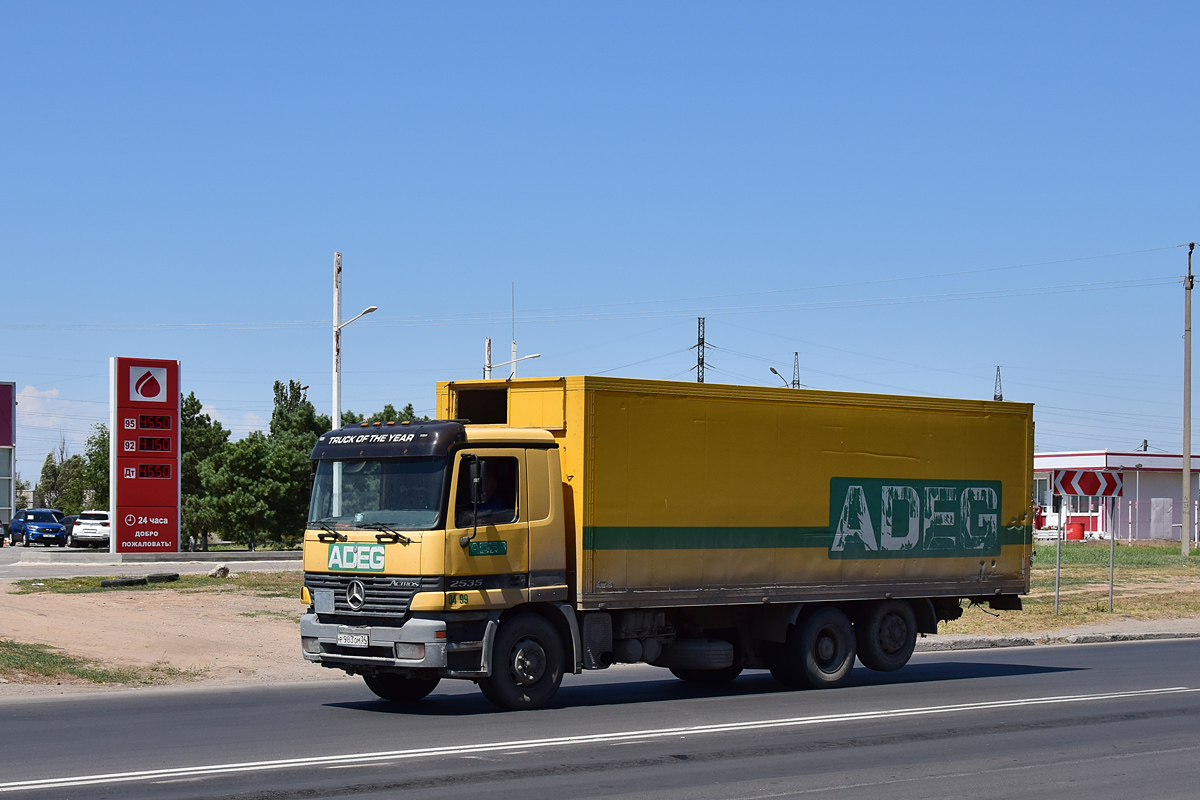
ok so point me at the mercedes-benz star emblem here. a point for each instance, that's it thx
(356, 595)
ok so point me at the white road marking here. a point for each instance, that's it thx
(566, 741)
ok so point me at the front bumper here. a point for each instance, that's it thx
(319, 644)
(40, 537)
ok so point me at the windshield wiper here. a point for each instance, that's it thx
(390, 532)
(331, 533)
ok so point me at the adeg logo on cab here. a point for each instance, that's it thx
(148, 384)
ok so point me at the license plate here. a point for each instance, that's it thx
(354, 639)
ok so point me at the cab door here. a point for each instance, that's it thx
(487, 565)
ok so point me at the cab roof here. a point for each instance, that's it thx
(429, 438)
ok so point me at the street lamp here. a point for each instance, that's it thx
(335, 419)
(775, 372)
(487, 367)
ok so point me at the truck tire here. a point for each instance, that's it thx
(709, 676)
(527, 664)
(398, 688)
(886, 635)
(819, 652)
(111, 582)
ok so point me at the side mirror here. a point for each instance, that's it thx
(477, 471)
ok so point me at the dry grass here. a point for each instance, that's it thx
(1151, 582)
(22, 662)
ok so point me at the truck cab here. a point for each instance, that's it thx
(422, 538)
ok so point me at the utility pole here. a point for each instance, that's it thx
(796, 370)
(487, 359)
(335, 419)
(700, 350)
(1185, 532)
(513, 374)
(998, 392)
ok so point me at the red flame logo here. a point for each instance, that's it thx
(147, 386)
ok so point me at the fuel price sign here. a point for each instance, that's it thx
(145, 455)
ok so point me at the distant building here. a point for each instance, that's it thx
(8, 454)
(1150, 505)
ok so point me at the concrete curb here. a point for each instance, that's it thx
(987, 642)
(239, 556)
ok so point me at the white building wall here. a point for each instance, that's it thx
(1142, 489)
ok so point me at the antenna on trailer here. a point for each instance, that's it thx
(998, 394)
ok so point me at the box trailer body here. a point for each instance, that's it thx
(687, 525)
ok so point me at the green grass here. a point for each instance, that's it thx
(20, 661)
(1127, 555)
(260, 584)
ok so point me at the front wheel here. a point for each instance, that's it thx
(527, 664)
(24, 541)
(398, 688)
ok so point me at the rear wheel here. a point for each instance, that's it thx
(398, 688)
(819, 652)
(886, 636)
(527, 664)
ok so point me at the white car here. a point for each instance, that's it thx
(91, 529)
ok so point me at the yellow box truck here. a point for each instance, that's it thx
(541, 526)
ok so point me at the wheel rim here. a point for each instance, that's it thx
(893, 633)
(528, 662)
(827, 650)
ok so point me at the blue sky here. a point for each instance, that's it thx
(823, 179)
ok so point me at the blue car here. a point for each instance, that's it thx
(37, 526)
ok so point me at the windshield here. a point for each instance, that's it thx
(402, 493)
(41, 516)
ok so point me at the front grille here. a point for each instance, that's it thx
(386, 595)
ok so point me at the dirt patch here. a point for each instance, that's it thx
(216, 636)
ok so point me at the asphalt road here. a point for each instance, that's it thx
(1093, 721)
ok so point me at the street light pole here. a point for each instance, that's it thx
(1185, 532)
(335, 419)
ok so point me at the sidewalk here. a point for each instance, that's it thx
(1128, 630)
